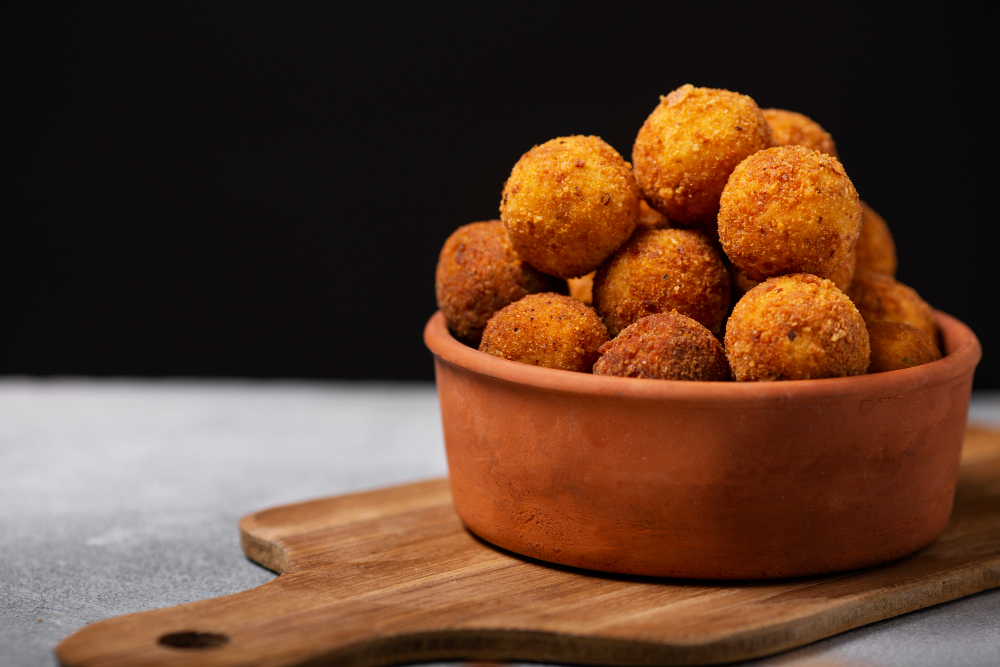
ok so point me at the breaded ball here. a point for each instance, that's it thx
(791, 128)
(689, 145)
(660, 270)
(842, 277)
(569, 204)
(788, 210)
(548, 330)
(582, 288)
(881, 298)
(478, 273)
(796, 327)
(896, 346)
(876, 250)
(665, 346)
(650, 218)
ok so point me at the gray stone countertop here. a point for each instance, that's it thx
(122, 496)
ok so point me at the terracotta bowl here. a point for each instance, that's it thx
(715, 480)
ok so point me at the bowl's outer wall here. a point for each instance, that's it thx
(720, 489)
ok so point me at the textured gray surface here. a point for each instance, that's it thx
(120, 496)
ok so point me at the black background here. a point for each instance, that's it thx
(234, 189)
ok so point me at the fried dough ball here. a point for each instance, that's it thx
(650, 218)
(896, 346)
(842, 277)
(548, 330)
(876, 250)
(665, 346)
(796, 327)
(569, 204)
(660, 270)
(478, 273)
(791, 128)
(787, 210)
(880, 298)
(689, 145)
(582, 288)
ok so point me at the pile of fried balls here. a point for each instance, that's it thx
(733, 247)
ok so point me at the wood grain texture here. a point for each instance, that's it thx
(391, 576)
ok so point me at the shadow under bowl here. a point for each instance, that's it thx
(707, 480)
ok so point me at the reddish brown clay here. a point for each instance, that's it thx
(717, 480)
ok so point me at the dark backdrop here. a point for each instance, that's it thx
(244, 190)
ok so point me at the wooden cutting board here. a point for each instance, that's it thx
(392, 576)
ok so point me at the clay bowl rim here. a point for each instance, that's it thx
(963, 352)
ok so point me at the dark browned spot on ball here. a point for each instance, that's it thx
(605, 199)
(580, 163)
(792, 335)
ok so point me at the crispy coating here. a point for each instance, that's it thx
(842, 277)
(689, 145)
(896, 346)
(791, 128)
(650, 218)
(876, 249)
(478, 273)
(880, 298)
(665, 346)
(548, 330)
(569, 204)
(788, 210)
(582, 288)
(796, 327)
(660, 270)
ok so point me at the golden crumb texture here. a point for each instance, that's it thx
(788, 210)
(876, 248)
(796, 327)
(688, 146)
(665, 346)
(660, 270)
(791, 128)
(478, 273)
(881, 298)
(896, 346)
(568, 204)
(550, 330)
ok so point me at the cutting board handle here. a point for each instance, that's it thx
(229, 631)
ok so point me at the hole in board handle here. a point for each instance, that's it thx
(193, 639)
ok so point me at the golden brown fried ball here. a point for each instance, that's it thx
(478, 273)
(881, 298)
(791, 128)
(787, 210)
(876, 250)
(842, 277)
(896, 346)
(665, 346)
(689, 145)
(569, 204)
(796, 327)
(660, 270)
(650, 218)
(582, 288)
(548, 330)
